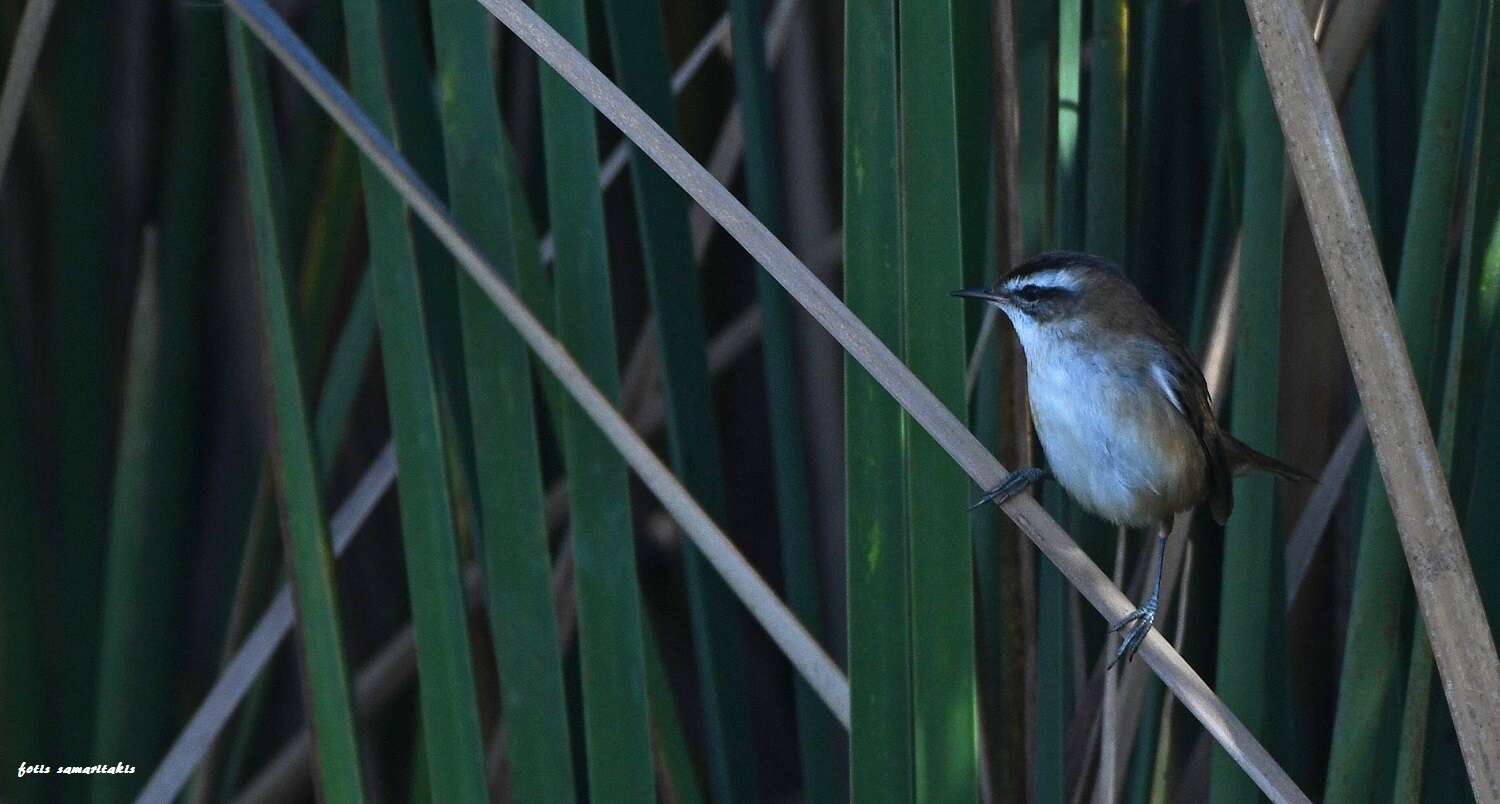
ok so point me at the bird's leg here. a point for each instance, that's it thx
(1013, 484)
(1145, 616)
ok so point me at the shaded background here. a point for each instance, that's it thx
(123, 211)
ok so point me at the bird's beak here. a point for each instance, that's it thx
(983, 294)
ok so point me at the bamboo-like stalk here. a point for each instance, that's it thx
(304, 524)
(507, 453)
(450, 720)
(938, 542)
(1252, 667)
(981, 466)
(409, 83)
(1404, 446)
(616, 726)
(880, 740)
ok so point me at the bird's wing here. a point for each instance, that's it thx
(1179, 378)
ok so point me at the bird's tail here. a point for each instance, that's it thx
(1244, 460)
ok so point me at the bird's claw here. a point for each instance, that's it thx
(1013, 484)
(1144, 618)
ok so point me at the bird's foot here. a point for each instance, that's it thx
(1143, 618)
(1013, 484)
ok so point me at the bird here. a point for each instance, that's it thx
(1120, 407)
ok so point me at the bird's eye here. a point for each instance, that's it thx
(1029, 293)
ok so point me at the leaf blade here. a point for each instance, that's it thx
(449, 712)
(880, 739)
(304, 524)
(616, 730)
(507, 453)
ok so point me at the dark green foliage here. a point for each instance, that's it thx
(450, 716)
(304, 524)
(1376, 649)
(941, 568)
(156, 435)
(880, 740)
(20, 636)
(616, 725)
(815, 728)
(150, 527)
(81, 361)
(1109, 97)
(1252, 667)
(508, 465)
(639, 50)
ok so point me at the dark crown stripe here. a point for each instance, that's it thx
(1054, 260)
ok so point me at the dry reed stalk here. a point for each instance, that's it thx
(1016, 743)
(24, 53)
(1404, 447)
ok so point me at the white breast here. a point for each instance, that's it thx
(1113, 441)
